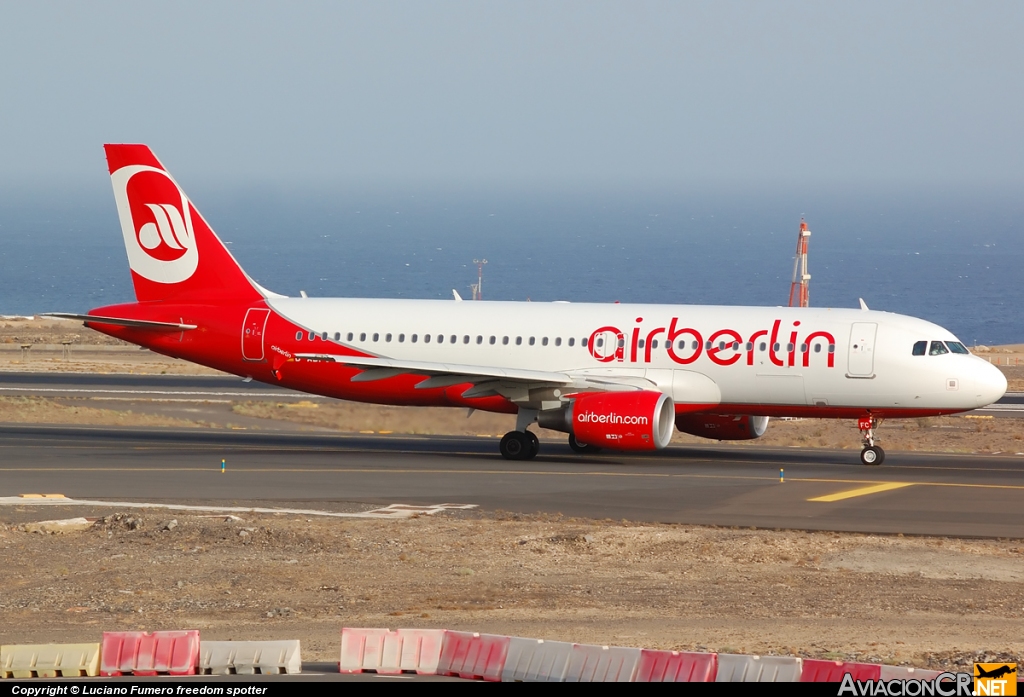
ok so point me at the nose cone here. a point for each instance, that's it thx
(989, 383)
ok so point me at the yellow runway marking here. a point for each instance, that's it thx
(862, 491)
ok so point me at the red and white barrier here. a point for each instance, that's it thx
(473, 656)
(143, 653)
(833, 671)
(676, 666)
(390, 652)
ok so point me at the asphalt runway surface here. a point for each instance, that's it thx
(912, 493)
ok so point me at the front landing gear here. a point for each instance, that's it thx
(871, 454)
(519, 445)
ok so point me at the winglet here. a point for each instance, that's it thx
(458, 298)
(863, 305)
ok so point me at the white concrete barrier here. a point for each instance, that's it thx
(739, 668)
(602, 663)
(536, 660)
(49, 660)
(908, 673)
(249, 657)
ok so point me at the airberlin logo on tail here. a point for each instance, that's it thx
(156, 221)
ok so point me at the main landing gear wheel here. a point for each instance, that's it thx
(519, 445)
(582, 448)
(872, 455)
(534, 444)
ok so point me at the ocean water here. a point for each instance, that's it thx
(955, 258)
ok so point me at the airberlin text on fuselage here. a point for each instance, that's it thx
(685, 345)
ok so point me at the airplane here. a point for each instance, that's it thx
(615, 376)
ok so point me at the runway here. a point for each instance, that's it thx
(913, 493)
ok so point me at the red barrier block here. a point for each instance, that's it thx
(833, 671)
(676, 666)
(473, 656)
(149, 653)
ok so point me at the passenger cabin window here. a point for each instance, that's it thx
(937, 349)
(312, 335)
(453, 339)
(440, 338)
(491, 341)
(350, 336)
(376, 336)
(533, 340)
(583, 342)
(479, 339)
(544, 341)
(298, 336)
(519, 341)
(762, 346)
(572, 341)
(387, 337)
(504, 341)
(558, 341)
(413, 338)
(401, 338)
(426, 338)
(337, 336)
(465, 338)
(920, 348)
(362, 336)
(324, 336)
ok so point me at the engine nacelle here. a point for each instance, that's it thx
(621, 420)
(722, 426)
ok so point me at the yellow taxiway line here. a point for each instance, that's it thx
(862, 491)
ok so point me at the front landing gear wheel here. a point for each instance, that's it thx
(582, 448)
(515, 445)
(872, 455)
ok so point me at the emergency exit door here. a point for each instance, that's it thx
(253, 327)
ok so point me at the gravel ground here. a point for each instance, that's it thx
(931, 602)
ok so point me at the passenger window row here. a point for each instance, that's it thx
(939, 348)
(571, 341)
(440, 339)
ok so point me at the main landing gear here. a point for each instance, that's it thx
(519, 445)
(871, 454)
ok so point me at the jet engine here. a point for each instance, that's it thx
(722, 426)
(639, 420)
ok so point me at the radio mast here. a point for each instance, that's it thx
(799, 292)
(478, 287)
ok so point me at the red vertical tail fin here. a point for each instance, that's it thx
(173, 253)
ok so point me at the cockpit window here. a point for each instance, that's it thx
(957, 347)
(920, 348)
(937, 349)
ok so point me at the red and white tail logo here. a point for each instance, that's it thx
(172, 252)
(157, 224)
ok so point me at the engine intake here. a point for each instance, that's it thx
(722, 426)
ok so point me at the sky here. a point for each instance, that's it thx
(544, 95)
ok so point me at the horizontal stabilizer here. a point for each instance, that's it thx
(121, 322)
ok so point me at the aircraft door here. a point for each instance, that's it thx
(862, 350)
(252, 333)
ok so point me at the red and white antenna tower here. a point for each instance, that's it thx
(478, 287)
(799, 292)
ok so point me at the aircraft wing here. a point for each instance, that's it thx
(512, 383)
(464, 373)
(121, 322)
